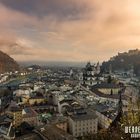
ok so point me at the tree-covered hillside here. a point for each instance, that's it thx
(7, 63)
(124, 61)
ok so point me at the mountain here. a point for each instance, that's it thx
(53, 63)
(7, 63)
(124, 61)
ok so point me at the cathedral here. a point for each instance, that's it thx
(89, 75)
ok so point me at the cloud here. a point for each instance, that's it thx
(74, 30)
(60, 9)
(15, 47)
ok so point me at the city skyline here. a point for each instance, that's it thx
(68, 30)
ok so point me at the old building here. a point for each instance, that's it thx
(52, 132)
(30, 116)
(89, 74)
(109, 92)
(16, 113)
(36, 100)
(107, 88)
(62, 124)
(83, 123)
(105, 118)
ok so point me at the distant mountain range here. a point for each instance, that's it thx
(53, 63)
(124, 61)
(7, 63)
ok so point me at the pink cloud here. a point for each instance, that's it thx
(105, 28)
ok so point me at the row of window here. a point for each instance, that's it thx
(88, 123)
(85, 129)
(84, 133)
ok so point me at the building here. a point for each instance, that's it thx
(36, 100)
(53, 97)
(52, 132)
(30, 116)
(30, 136)
(88, 76)
(83, 123)
(16, 113)
(105, 118)
(6, 128)
(107, 88)
(109, 92)
(60, 122)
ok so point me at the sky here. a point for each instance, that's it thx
(68, 30)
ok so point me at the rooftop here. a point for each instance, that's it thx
(113, 96)
(15, 109)
(29, 112)
(83, 115)
(110, 114)
(30, 136)
(52, 132)
(105, 85)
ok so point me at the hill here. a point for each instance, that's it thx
(124, 61)
(7, 63)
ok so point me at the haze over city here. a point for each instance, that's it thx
(69, 69)
(68, 30)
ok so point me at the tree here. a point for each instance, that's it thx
(111, 93)
(109, 80)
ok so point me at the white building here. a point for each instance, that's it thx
(88, 76)
(83, 124)
(3, 78)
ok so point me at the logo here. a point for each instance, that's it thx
(134, 131)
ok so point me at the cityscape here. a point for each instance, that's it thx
(69, 70)
(69, 103)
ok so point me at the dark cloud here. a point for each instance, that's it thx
(68, 29)
(60, 9)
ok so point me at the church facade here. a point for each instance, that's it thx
(89, 74)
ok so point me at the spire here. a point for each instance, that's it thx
(117, 120)
(110, 69)
(120, 104)
(88, 64)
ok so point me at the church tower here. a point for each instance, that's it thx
(117, 120)
(110, 69)
(98, 68)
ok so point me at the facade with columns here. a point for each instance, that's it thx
(89, 74)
